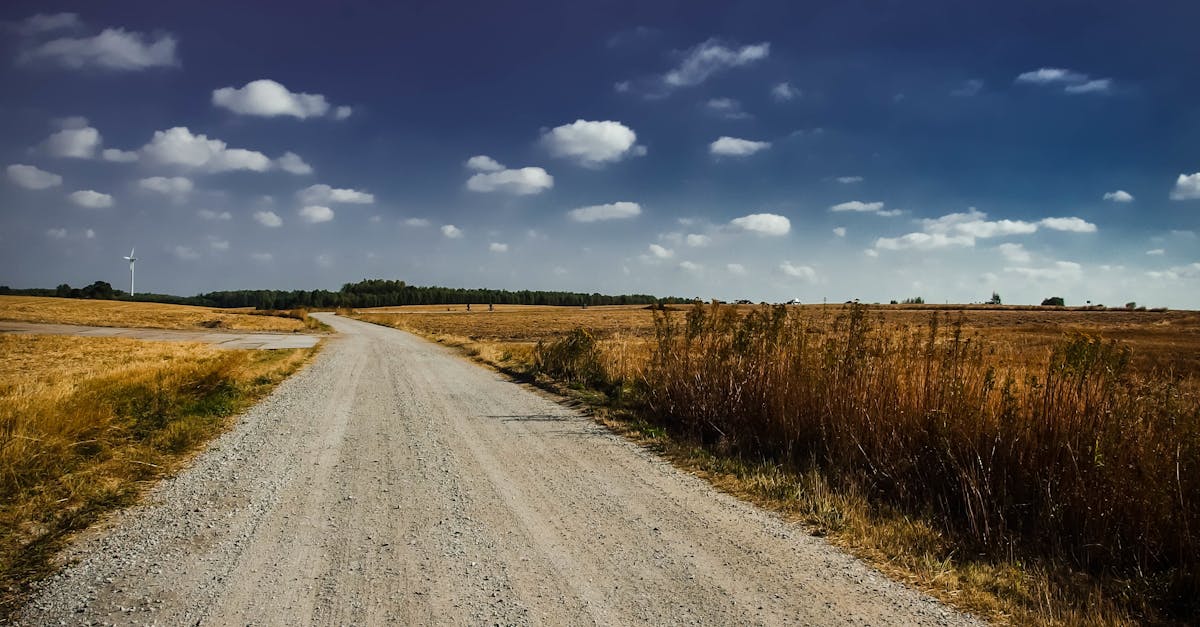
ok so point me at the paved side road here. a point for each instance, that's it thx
(392, 482)
(221, 339)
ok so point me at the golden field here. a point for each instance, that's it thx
(86, 423)
(111, 313)
(1016, 462)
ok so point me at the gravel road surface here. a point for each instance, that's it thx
(220, 339)
(393, 482)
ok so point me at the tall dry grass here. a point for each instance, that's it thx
(1075, 460)
(85, 421)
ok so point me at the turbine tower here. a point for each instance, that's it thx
(131, 259)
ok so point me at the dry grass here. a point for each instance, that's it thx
(86, 423)
(111, 313)
(831, 426)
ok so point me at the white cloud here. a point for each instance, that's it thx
(763, 224)
(1073, 82)
(176, 187)
(322, 193)
(262, 257)
(784, 92)
(90, 234)
(660, 252)
(483, 163)
(498, 247)
(91, 199)
(119, 156)
(1119, 196)
(76, 143)
(611, 211)
(974, 224)
(217, 243)
(178, 146)
(268, 219)
(839, 231)
(315, 214)
(690, 266)
(342, 112)
(591, 143)
(800, 272)
(726, 146)
(845, 180)
(858, 206)
(31, 177)
(112, 49)
(1074, 225)
(736, 268)
(209, 214)
(1157, 252)
(1187, 187)
(291, 163)
(968, 88)
(56, 233)
(451, 231)
(711, 57)
(268, 98)
(520, 182)
(45, 23)
(1014, 253)
(727, 108)
(696, 240)
(416, 222)
(185, 253)
(923, 241)
(1061, 271)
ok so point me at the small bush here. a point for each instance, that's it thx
(574, 359)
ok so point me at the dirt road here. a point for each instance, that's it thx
(394, 482)
(220, 339)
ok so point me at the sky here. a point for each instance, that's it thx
(760, 150)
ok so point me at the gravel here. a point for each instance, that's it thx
(394, 482)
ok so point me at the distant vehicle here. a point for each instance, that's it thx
(794, 301)
(744, 301)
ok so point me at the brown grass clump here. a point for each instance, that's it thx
(112, 313)
(85, 422)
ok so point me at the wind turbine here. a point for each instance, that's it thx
(131, 259)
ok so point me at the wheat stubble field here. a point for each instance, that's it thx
(1032, 465)
(112, 313)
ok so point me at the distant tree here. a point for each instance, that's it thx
(1054, 301)
(916, 300)
(1131, 305)
(995, 299)
(63, 291)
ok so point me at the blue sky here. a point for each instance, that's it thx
(765, 150)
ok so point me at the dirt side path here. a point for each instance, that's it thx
(393, 482)
(220, 339)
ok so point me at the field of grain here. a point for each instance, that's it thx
(87, 422)
(1031, 465)
(111, 313)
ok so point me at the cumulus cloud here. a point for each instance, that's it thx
(858, 206)
(292, 163)
(726, 146)
(177, 187)
(727, 108)
(763, 224)
(1074, 225)
(735, 268)
(1119, 196)
(498, 247)
(113, 49)
(58, 233)
(711, 57)
(611, 211)
(689, 266)
(268, 98)
(32, 177)
(342, 112)
(839, 231)
(962, 229)
(1187, 187)
(1060, 271)
(322, 193)
(483, 163)
(660, 252)
(451, 231)
(520, 182)
(1189, 271)
(800, 272)
(846, 180)
(209, 214)
(1014, 253)
(697, 241)
(75, 143)
(1071, 81)
(118, 156)
(923, 241)
(1156, 252)
(217, 243)
(315, 214)
(416, 222)
(783, 92)
(91, 199)
(592, 143)
(268, 219)
(179, 147)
